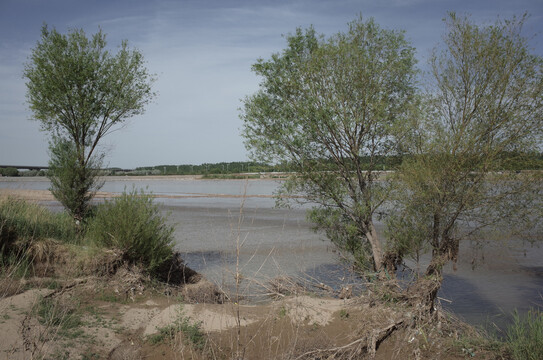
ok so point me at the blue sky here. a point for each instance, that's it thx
(202, 52)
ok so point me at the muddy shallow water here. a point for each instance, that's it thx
(214, 220)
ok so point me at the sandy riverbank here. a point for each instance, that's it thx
(46, 195)
(125, 316)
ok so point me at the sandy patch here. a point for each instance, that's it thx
(13, 311)
(217, 317)
(136, 318)
(313, 310)
(211, 317)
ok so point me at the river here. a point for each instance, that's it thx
(213, 218)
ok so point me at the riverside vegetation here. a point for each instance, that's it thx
(84, 285)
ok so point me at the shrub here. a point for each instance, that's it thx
(525, 336)
(133, 224)
(9, 171)
(22, 222)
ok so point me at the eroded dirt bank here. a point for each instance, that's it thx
(125, 315)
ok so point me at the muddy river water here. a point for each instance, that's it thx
(217, 219)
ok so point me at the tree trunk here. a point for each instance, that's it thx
(382, 271)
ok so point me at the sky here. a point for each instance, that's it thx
(201, 52)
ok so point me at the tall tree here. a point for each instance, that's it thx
(487, 101)
(80, 92)
(332, 107)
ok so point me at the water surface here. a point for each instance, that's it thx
(214, 222)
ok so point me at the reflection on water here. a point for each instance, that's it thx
(275, 242)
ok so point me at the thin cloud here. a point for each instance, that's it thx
(202, 52)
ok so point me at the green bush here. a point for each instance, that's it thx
(133, 224)
(525, 336)
(9, 171)
(22, 222)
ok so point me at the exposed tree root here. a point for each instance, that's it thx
(367, 345)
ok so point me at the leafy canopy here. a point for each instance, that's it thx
(79, 91)
(487, 101)
(333, 108)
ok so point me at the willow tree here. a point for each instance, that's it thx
(486, 103)
(331, 108)
(79, 91)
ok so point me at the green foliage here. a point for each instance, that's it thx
(22, 222)
(60, 318)
(79, 92)
(231, 177)
(73, 184)
(191, 330)
(234, 167)
(484, 114)
(133, 224)
(78, 88)
(9, 171)
(344, 233)
(14, 264)
(511, 161)
(525, 336)
(334, 109)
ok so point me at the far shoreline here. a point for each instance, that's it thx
(242, 176)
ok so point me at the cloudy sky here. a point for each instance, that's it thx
(201, 52)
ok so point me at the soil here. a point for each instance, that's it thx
(126, 315)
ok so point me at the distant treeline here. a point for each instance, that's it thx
(510, 161)
(209, 168)
(10, 171)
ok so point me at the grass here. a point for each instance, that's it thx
(525, 336)
(191, 330)
(131, 223)
(53, 284)
(108, 297)
(60, 317)
(24, 229)
(22, 222)
(14, 265)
